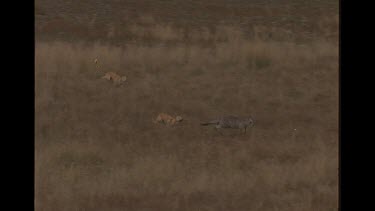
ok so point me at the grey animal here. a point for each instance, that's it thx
(233, 122)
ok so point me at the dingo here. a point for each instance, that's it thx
(231, 122)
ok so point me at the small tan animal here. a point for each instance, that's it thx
(97, 64)
(112, 76)
(167, 119)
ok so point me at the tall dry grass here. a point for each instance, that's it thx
(97, 148)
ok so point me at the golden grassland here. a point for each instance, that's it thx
(96, 147)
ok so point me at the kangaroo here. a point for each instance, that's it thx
(231, 122)
(167, 119)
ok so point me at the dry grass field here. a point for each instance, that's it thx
(97, 148)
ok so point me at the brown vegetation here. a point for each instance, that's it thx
(96, 148)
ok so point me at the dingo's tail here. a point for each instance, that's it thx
(214, 122)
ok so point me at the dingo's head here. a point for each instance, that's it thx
(179, 118)
(250, 121)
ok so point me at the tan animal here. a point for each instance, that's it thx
(167, 119)
(112, 76)
(96, 64)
